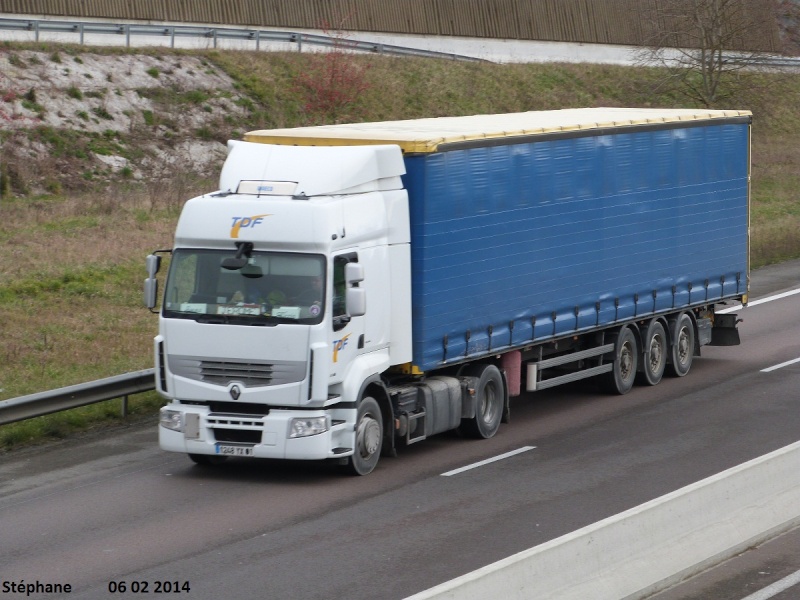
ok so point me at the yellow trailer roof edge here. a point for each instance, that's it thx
(427, 135)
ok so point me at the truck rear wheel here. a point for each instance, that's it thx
(369, 437)
(654, 356)
(489, 402)
(682, 350)
(626, 359)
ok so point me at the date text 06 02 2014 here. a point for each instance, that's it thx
(149, 587)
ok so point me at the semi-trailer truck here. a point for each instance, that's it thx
(353, 289)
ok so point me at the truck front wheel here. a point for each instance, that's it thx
(489, 402)
(369, 437)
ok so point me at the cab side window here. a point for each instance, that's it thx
(339, 306)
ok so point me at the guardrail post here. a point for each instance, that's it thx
(125, 406)
(36, 31)
(80, 29)
(258, 40)
(127, 36)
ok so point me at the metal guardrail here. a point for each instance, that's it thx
(44, 403)
(777, 62)
(256, 36)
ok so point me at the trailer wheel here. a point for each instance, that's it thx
(207, 460)
(682, 350)
(369, 437)
(654, 356)
(490, 399)
(626, 359)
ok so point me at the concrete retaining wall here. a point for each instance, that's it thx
(648, 548)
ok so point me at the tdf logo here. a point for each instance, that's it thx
(245, 223)
(338, 346)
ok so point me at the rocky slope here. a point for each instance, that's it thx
(72, 119)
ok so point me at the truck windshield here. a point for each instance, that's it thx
(270, 288)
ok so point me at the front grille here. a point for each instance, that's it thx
(247, 373)
(236, 427)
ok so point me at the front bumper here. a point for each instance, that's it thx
(202, 432)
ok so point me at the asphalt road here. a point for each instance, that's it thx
(770, 571)
(98, 510)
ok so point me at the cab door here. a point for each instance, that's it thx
(347, 335)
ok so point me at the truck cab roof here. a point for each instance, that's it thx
(301, 171)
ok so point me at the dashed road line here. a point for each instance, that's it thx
(488, 460)
(776, 588)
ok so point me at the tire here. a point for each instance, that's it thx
(626, 359)
(490, 400)
(655, 348)
(682, 345)
(207, 460)
(369, 438)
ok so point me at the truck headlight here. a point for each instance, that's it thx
(303, 427)
(171, 419)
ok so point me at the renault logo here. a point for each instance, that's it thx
(235, 392)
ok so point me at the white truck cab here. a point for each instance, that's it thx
(279, 306)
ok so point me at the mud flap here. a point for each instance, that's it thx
(724, 332)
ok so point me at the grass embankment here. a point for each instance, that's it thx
(71, 263)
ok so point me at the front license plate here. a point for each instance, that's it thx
(227, 450)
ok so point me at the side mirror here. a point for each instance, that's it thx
(153, 263)
(233, 263)
(252, 271)
(353, 273)
(150, 292)
(355, 297)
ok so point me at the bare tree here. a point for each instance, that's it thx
(788, 12)
(704, 43)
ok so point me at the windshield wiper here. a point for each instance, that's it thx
(233, 320)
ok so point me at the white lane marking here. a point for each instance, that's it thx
(780, 366)
(488, 460)
(776, 588)
(760, 301)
